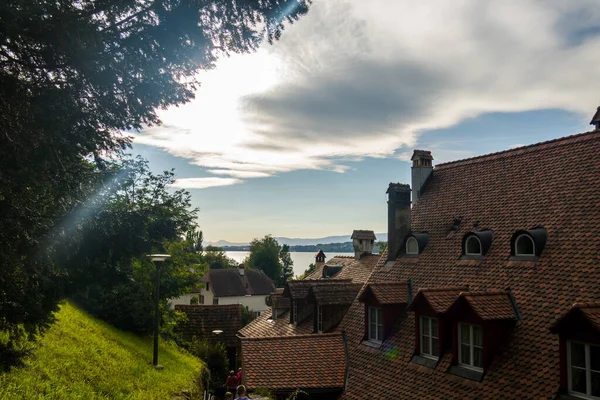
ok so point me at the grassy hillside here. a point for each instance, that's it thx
(83, 358)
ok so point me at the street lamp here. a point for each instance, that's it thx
(157, 259)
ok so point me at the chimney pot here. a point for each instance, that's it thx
(363, 242)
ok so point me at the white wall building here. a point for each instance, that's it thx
(250, 288)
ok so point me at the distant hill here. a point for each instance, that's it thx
(302, 241)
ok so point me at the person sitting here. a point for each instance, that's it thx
(241, 393)
(231, 382)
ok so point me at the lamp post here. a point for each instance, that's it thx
(157, 259)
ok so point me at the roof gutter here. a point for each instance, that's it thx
(347, 372)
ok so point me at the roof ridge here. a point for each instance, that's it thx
(388, 283)
(304, 336)
(519, 150)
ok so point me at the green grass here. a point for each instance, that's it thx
(81, 357)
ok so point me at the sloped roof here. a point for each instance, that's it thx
(203, 320)
(386, 292)
(596, 118)
(362, 234)
(589, 311)
(298, 289)
(553, 185)
(490, 305)
(357, 270)
(439, 299)
(304, 362)
(426, 154)
(338, 293)
(265, 326)
(228, 282)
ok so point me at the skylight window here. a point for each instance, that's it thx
(412, 246)
(524, 246)
(473, 246)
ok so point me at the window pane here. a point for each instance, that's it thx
(435, 347)
(473, 246)
(372, 331)
(412, 247)
(434, 327)
(595, 384)
(578, 382)
(380, 316)
(578, 355)
(380, 334)
(465, 354)
(465, 334)
(425, 344)
(477, 336)
(524, 245)
(425, 326)
(595, 357)
(477, 357)
(372, 315)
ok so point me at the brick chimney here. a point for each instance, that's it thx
(421, 171)
(241, 269)
(596, 120)
(363, 242)
(398, 217)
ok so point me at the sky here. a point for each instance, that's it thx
(302, 138)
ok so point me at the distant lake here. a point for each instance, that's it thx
(301, 259)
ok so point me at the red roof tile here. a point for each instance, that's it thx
(304, 362)
(386, 293)
(554, 185)
(439, 299)
(490, 305)
(589, 311)
(340, 293)
(203, 320)
(265, 326)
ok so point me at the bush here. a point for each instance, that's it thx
(214, 356)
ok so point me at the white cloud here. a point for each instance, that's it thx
(203, 183)
(357, 79)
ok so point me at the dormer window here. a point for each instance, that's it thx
(584, 369)
(524, 245)
(295, 312)
(470, 339)
(430, 346)
(415, 243)
(528, 244)
(412, 247)
(473, 246)
(476, 243)
(375, 324)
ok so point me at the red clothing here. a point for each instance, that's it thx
(240, 377)
(232, 381)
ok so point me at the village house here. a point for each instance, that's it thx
(489, 287)
(250, 288)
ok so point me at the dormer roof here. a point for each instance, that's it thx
(589, 312)
(488, 305)
(386, 293)
(438, 299)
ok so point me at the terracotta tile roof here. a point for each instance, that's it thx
(358, 234)
(298, 289)
(265, 326)
(305, 362)
(490, 305)
(386, 292)
(553, 185)
(338, 293)
(439, 299)
(596, 118)
(228, 282)
(203, 320)
(357, 270)
(589, 311)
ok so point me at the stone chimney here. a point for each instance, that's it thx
(596, 120)
(241, 269)
(398, 217)
(421, 171)
(363, 242)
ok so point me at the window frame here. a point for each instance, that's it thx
(471, 237)
(378, 312)
(320, 319)
(430, 337)
(471, 347)
(201, 299)
(215, 301)
(406, 246)
(517, 245)
(588, 370)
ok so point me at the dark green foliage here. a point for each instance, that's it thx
(308, 271)
(73, 76)
(214, 355)
(287, 271)
(216, 258)
(247, 316)
(264, 255)
(381, 246)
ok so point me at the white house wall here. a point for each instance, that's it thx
(254, 303)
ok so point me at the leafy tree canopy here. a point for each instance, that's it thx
(274, 260)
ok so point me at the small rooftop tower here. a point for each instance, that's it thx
(320, 256)
(596, 120)
(421, 170)
(363, 242)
